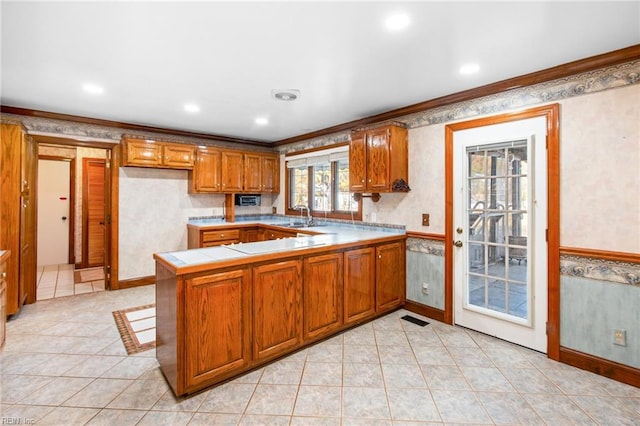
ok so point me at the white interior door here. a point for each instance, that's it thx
(500, 222)
(53, 211)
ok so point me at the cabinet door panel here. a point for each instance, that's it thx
(357, 162)
(217, 325)
(206, 172)
(232, 171)
(390, 276)
(378, 160)
(178, 156)
(270, 174)
(359, 284)
(142, 153)
(252, 172)
(322, 294)
(277, 313)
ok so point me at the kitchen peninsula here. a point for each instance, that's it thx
(224, 310)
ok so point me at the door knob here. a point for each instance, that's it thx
(64, 218)
(457, 243)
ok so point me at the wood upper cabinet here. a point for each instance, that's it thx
(206, 175)
(277, 308)
(261, 173)
(252, 173)
(378, 158)
(270, 174)
(390, 276)
(322, 295)
(178, 156)
(359, 284)
(217, 325)
(232, 171)
(358, 162)
(148, 153)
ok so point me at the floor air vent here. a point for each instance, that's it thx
(415, 320)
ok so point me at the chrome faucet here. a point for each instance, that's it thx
(300, 207)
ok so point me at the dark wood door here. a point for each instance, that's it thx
(93, 211)
(359, 284)
(277, 308)
(322, 295)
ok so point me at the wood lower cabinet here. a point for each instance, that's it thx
(272, 234)
(277, 308)
(217, 325)
(390, 276)
(359, 284)
(249, 235)
(219, 320)
(322, 295)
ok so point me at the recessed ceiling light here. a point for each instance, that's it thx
(397, 22)
(285, 94)
(93, 89)
(470, 68)
(262, 121)
(191, 108)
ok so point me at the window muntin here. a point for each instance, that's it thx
(322, 180)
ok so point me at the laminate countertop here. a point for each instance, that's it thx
(327, 236)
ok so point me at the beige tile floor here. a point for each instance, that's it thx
(64, 364)
(57, 281)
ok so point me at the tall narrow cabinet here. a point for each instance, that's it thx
(18, 220)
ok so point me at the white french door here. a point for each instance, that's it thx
(500, 222)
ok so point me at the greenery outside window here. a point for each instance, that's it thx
(320, 180)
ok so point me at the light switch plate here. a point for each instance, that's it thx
(425, 219)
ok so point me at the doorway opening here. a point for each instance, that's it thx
(86, 262)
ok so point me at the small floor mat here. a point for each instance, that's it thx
(415, 320)
(88, 274)
(137, 327)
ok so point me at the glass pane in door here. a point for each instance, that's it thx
(497, 247)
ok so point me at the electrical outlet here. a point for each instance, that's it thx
(425, 288)
(425, 219)
(620, 337)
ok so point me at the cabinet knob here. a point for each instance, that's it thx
(222, 235)
(4, 275)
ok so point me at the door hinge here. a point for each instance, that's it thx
(107, 164)
(546, 235)
(108, 219)
(547, 328)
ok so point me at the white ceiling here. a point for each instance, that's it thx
(226, 57)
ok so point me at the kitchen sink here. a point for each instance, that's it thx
(302, 225)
